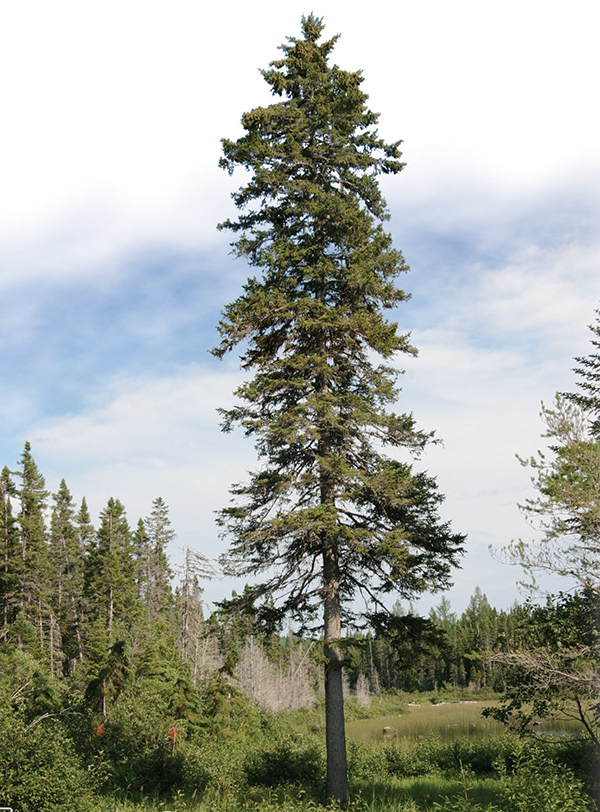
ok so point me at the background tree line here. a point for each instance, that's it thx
(74, 594)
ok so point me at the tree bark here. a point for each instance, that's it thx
(335, 732)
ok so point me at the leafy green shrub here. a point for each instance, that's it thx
(399, 760)
(213, 763)
(582, 757)
(39, 769)
(286, 761)
(539, 784)
(196, 774)
(134, 751)
(432, 756)
(480, 756)
(364, 760)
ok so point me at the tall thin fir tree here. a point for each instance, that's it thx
(111, 588)
(35, 577)
(67, 558)
(328, 515)
(160, 533)
(86, 535)
(10, 552)
(142, 556)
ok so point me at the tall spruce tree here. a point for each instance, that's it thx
(159, 534)
(110, 585)
(66, 556)
(10, 552)
(328, 515)
(33, 566)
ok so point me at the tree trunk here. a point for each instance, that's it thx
(109, 625)
(335, 733)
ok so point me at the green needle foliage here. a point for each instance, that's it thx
(588, 371)
(328, 515)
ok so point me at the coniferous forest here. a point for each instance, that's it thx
(318, 686)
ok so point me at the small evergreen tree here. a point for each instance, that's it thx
(588, 372)
(328, 516)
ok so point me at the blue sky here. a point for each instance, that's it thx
(113, 275)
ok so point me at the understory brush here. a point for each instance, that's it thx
(546, 778)
(531, 786)
(284, 772)
(278, 763)
(430, 756)
(40, 771)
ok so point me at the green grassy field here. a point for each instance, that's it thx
(449, 721)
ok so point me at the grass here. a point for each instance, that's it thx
(423, 794)
(450, 721)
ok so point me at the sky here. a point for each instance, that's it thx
(113, 275)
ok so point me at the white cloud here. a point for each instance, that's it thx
(479, 379)
(113, 111)
(543, 290)
(155, 438)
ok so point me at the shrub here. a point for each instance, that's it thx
(400, 761)
(364, 760)
(39, 769)
(134, 753)
(213, 763)
(285, 761)
(482, 756)
(539, 784)
(431, 756)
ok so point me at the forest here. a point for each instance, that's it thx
(120, 690)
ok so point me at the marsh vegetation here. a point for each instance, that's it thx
(449, 722)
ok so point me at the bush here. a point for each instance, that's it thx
(431, 756)
(539, 784)
(213, 763)
(134, 753)
(364, 760)
(287, 761)
(482, 756)
(39, 769)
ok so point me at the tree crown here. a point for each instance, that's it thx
(313, 327)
